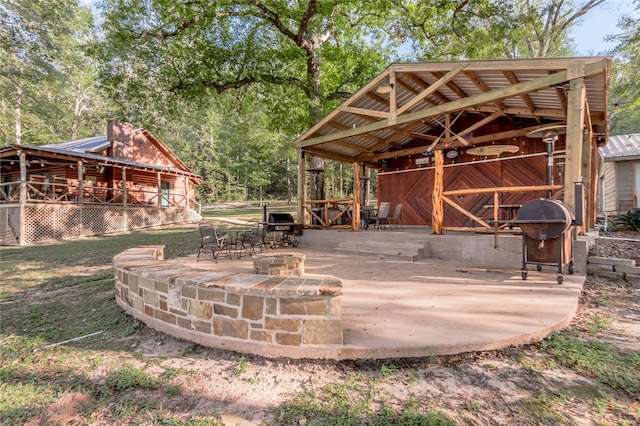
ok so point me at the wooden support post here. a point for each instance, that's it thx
(23, 198)
(80, 183)
(124, 186)
(186, 192)
(437, 213)
(159, 183)
(585, 173)
(301, 178)
(357, 197)
(575, 131)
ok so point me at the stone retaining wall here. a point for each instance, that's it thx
(610, 267)
(243, 312)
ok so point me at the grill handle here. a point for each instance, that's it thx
(540, 221)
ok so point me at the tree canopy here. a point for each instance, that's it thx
(230, 83)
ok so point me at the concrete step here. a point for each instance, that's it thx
(406, 250)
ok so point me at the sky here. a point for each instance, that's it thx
(589, 33)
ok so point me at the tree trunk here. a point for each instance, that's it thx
(77, 110)
(315, 110)
(18, 112)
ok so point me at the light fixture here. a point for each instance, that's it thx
(385, 87)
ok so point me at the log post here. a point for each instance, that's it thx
(357, 195)
(437, 212)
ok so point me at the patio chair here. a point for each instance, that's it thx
(255, 239)
(210, 239)
(396, 217)
(383, 214)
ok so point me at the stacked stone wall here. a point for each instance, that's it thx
(214, 307)
(618, 269)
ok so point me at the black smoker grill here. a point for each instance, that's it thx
(284, 229)
(546, 235)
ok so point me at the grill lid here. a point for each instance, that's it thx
(280, 218)
(543, 219)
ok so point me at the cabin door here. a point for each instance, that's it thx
(165, 188)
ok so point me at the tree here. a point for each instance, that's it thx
(490, 29)
(625, 87)
(41, 44)
(160, 49)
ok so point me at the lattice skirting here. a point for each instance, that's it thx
(64, 221)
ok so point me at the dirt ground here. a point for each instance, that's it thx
(486, 388)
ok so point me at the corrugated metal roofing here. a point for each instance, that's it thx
(55, 149)
(621, 147)
(88, 145)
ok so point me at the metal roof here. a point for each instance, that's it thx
(88, 145)
(55, 149)
(621, 147)
(426, 98)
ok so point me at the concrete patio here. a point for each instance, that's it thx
(460, 295)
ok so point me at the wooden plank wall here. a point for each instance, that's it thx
(413, 188)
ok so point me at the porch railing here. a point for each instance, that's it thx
(56, 192)
(333, 213)
(495, 224)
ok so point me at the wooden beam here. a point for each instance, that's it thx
(476, 140)
(432, 88)
(451, 85)
(511, 77)
(457, 105)
(420, 82)
(481, 123)
(362, 111)
(480, 84)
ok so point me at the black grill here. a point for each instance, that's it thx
(546, 235)
(284, 224)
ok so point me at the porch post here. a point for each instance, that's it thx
(437, 212)
(159, 183)
(80, 183)
(357, 197)
(23, 197)
(124, 186)
(301, 177)
(575, 126)
(186, 191)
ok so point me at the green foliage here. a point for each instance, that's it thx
(387, 370)
(602, 360)
(625, 85)
(240, 367)
(47, 85)
(598, 324)
(128, 377)
(629, 220)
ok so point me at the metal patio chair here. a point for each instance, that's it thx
(210, 239)
(255, 239)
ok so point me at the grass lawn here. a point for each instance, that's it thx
(63, 292)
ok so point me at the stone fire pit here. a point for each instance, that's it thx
(280, 265)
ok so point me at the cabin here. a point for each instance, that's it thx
(125, 180)
(462, 144)
(620, 175)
